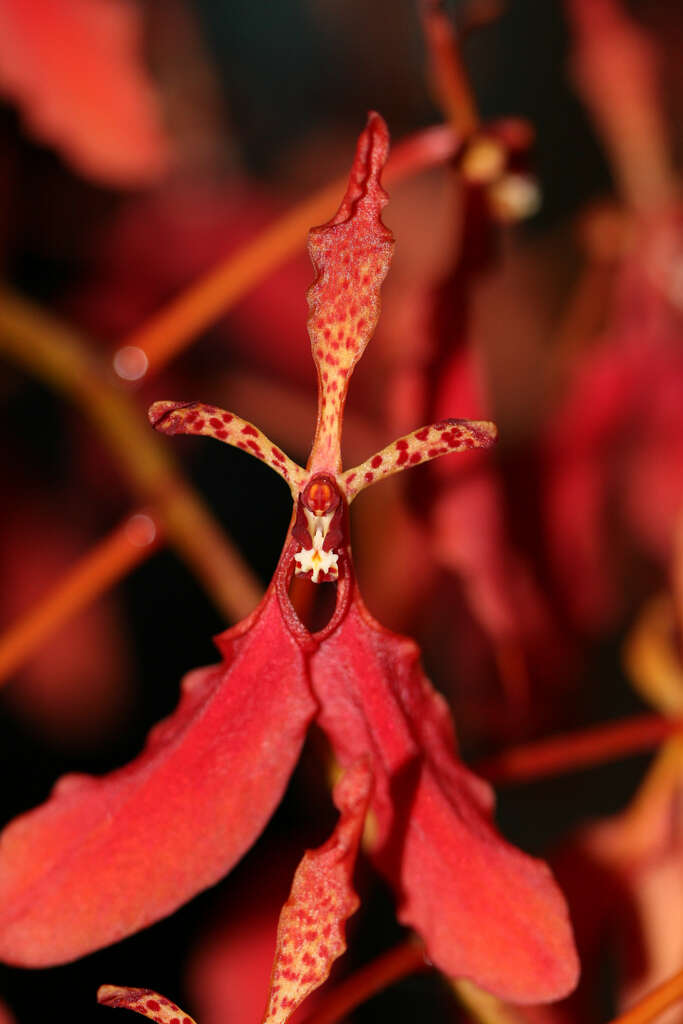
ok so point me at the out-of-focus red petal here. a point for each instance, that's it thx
(351, 255)
(144, 1001)
(310, 934)
(73, 67)
(486, 910)
(107, 856)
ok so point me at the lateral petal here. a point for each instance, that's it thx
(104, 857)
(310, 933)
(486, 910)
(209, 421)
(421, 445)
(143, 1001)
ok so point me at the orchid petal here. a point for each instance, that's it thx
(199, 418)
(421, 445)
(351, 254)
(144, 1001)
(310, 934)
(104, 857)
(486, 911)
(74, 68)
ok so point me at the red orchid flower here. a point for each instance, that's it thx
(106, 856)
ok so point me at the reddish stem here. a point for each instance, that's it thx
(128, 545)
(366, 982)
(449, 79)
(572, 751)
(654, 1003)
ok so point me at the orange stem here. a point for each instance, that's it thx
(572, 751)
(168, 332)
(366, 982)
(451, 86)
(58, 355)
(654, 1003)
(130, 543)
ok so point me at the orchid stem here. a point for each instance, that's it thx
(165, 335)
(654, 1003)
(128, 545)
(450, 82)
(483, 1007)
(42, 345)
(572, 751)
(407, 958)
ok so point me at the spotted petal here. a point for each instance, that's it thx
(143, 1001)
(486, 911)
(104, 857)
(310, 934)
(199, 418)
(421, 445)
(351, 256)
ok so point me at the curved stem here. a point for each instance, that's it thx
(165, 335)
(130, 543)
(572, 751)
(654, 1003)
(366, 982)
(43, 346)
(484, 1007)
(450, 83)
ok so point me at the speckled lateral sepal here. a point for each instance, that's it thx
(421, 445)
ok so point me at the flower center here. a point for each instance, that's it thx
(318, 529)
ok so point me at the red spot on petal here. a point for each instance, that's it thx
(377, 461)
(248, 429)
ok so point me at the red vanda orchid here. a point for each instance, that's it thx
(103, 857)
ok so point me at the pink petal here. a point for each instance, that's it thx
(143, 1001)
(310, 934)
(73, 66)
(350, 256)
(485, 910)
(104, 857)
